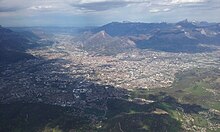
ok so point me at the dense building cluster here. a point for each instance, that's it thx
(136, 69)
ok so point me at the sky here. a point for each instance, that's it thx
(79, 13)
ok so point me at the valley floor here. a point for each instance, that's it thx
(69, 89)
(138, 68)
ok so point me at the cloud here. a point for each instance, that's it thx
(158, 6)
(166, 9)
(186, 1)
(154, 10)
(9, 9)
(102, 5)
(15, 5)
(41, 7)
(90, 5)
(12, 5)
(159, 10)
(96, 12)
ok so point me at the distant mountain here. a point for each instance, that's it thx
(186, 24)
(184, 36)
(172, 41)
(103, 43)
(13, 45)
(132, 29)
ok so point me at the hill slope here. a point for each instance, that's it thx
(13, 45)
(102, 43)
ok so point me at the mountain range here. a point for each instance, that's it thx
(183, 36)
(118, 37)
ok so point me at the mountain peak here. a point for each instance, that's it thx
(101, 34)
(186, 24)
(184, 21)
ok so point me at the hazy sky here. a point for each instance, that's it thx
(98, 12)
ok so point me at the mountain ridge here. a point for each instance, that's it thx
(183, 36)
